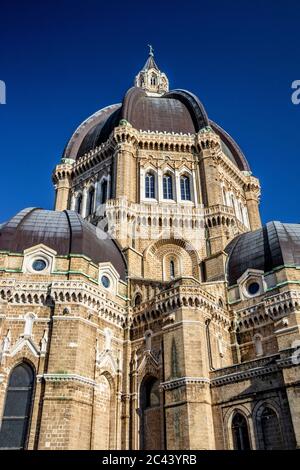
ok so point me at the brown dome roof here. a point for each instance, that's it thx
(177, 111)
(65, 232)
(274, 245)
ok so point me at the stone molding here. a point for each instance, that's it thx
(183, 381)
(66, 378)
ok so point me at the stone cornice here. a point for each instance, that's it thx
(64, 292)
(183, 381)
(245, 375)
(269, 365)
(61, 377)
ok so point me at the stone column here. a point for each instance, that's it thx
(211, 186)
(177, 186)
(73, 203)
(287, 332)
(84, 202)
(125, 176)
(188, 408)
(159, 186)
(252, 194)
(194, 189)
(62, 182)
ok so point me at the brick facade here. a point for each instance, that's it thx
(167, 359)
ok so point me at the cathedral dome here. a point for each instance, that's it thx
(65, 232)
(274, 245)
(149, 106)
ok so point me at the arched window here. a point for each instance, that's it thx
(150, 417)
(91, 198)
(103, 192)
(185, 188)
(150, 186)
(240, 432)
(17, 408)
(167, 187)
(153, 79)
(172, 269)
(271, 434)
(79, 203)
(137, 300)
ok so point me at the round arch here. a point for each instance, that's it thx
(18, 406)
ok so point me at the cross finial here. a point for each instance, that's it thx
(151, 50)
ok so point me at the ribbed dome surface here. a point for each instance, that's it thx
(177, 111)
(65, 232)
(274, 245)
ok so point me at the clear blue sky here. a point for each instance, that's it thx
(63, 60)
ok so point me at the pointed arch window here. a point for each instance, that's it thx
(103, 192)
(271, 433)
(240, 432)
(137, 300)
(167, 187)
(150, 185)
(185, 189)
(153, 79)
(91, 198)
(17, 408)
(150, 414)
(172, 269)
(79, 203)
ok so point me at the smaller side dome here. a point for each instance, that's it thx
(65, 232)
(274, 245)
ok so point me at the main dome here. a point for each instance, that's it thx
(176, 111)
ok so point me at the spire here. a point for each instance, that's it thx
(150, 63)
(150, 78)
